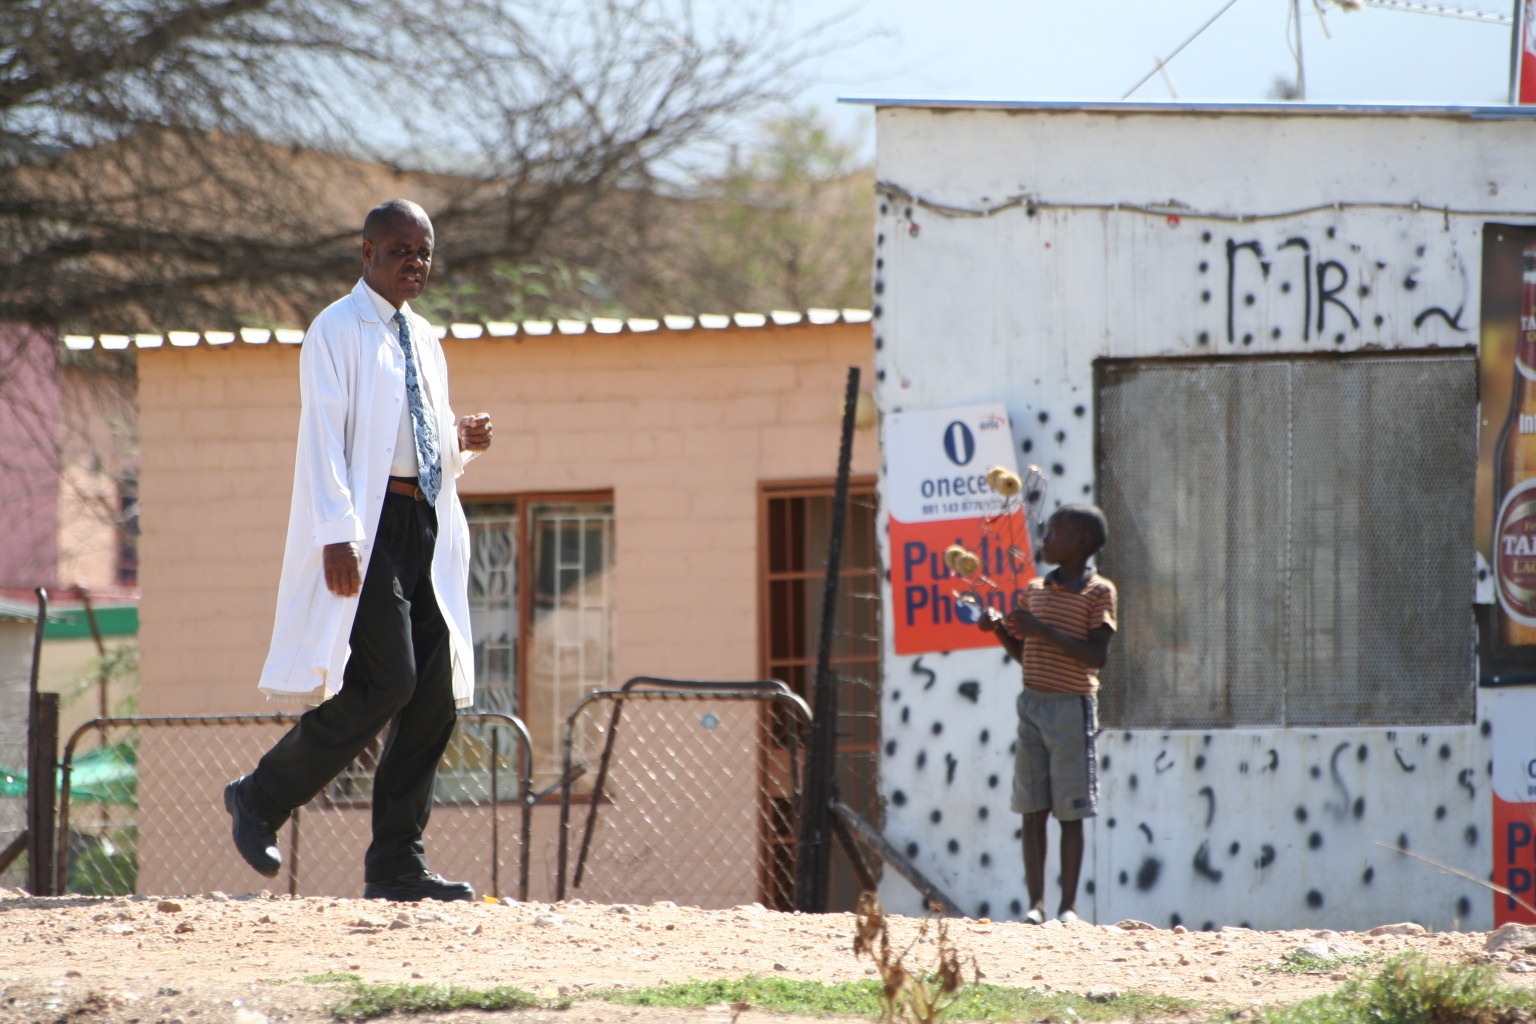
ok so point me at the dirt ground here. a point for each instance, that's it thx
(215, 959)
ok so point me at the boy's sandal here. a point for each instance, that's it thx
(1035, 916)
(1068, 917)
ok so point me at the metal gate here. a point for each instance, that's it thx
(683, 790)
(141, 810)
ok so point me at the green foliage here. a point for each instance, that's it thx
(1299, 961)
(548, 290)
(119, 669)
(1410, 990)
(364, 1002)
(105, 867)
(862, 999)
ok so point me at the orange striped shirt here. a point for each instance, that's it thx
(1073, 615)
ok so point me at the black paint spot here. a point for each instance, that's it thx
(938, 728)
(1368, 877)
(890, 748)
(879, 286)
(1419, 252)
(1274, 332)
(1146, 875)
(983, 909)
(954, 846)
(1199, 762)
(1234, 849)
(1470, 835)
(1109, 822)
(1205, 295)
(1209, 926)
(1338, 339)
(1204, 266)
(1205, 236)
(1315, 841)
(1249, 299)
(879, 343)
(1285, 286)
(1202, 863)
(1057, 469)
(911, 850)
(1146, 830)
(1016, 907)
(1379, 319)
(991, 781)
(1402, 840)
(1210, 804)
(983, 813)
(919, 669)
(1044, 416)
(1331, 232)
(1364, 290)
(1463, 907)
(1409, 284)
(1132, 781)
(950, 764)
(1274, 760)
(1087, 488)
(1361, 753)
(1440, 813)
(896, 696)
(1266, 856)
(1359, 809)
(879, 375)
(906, 715)
(899, 798)
(1242, 767)
(1104, 763)
(1445, 751)
(986, 860)
(1174, 920)
(1089, 887)
(936, 816)
(880, 238)
(922, 758)
(986, 736)
(1315, 771)
(1314, 899)
(1124, 878)
(971, 691)
(1061, 435)
(1301, 814)
(1028, 445)
(1079, 410)
(1248, 339)
(1486, 728)
(1204, 337)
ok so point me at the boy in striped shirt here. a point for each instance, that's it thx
(1061, 638)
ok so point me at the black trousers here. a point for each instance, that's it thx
(399, 674)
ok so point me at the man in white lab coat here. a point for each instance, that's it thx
(372, 620)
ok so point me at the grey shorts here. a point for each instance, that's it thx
(1055, 765)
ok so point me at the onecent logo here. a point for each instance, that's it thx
(959, 443)
(991, 421)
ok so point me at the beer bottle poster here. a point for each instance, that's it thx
(937, 494)
(1506, 471)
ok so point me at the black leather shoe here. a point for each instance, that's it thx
(420, 885)
(254, 838)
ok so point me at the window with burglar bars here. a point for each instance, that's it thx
(797, 521)
(1291, 539)
(541, 608)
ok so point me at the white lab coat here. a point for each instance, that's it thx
(352, 389)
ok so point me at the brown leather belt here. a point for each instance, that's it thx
(405, 487)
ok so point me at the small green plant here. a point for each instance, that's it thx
(1302, 961)
(979, 1001)
(365, 1002)
(1410, 990)
(108, 866)
(916, 999)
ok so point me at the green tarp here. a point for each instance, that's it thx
(107, 775)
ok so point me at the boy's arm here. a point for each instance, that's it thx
(991, 621)
(1092, 652)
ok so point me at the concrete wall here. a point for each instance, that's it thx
(1016, 247)
(682, 427)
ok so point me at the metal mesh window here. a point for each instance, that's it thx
(1291, 539)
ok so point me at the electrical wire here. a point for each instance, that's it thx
(1164, 62)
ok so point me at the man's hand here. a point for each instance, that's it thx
(343, 569)
(991, 621)
(475, 432)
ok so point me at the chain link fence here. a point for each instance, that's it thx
(687, 791)
(141, 809)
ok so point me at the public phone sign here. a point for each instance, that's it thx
(1511, 709)
(937, 494)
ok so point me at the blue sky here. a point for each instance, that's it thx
(1098, 49)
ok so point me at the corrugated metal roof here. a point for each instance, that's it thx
(488, 329)
(1275, 107)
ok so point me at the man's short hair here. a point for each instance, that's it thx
(386, 213)
(1088, 518)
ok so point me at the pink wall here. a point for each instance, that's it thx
(30, 413)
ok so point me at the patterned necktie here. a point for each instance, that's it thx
(429, 467)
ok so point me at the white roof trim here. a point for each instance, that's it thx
(493, 329)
